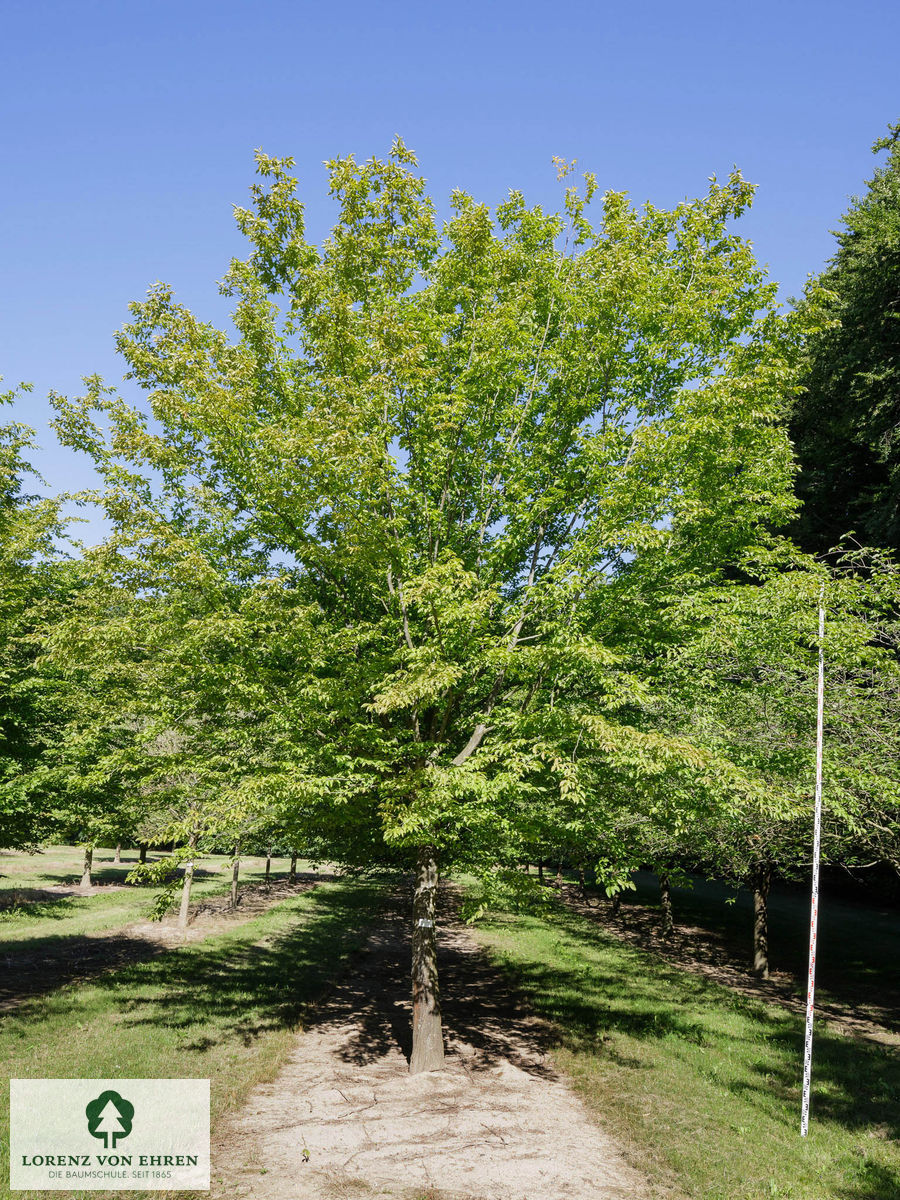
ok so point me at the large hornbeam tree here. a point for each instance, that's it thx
(449, 445)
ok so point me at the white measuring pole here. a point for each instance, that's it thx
(814, 905)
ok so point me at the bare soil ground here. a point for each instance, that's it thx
(709, 953)
(46, 964)
(345, 1119)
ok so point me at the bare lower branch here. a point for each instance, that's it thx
(471, 745)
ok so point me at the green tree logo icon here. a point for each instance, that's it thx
(109, 1116)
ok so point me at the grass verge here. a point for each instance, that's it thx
(702, 1085)
(224, 1009)
(42, 915)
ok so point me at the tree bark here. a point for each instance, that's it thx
(428, 1040)
(665, 899)
(616, 904)
(143, 852)
(235, 871)
(186, 886)
(761, 881)
(118, 857)
(292, 878)
(268, 866)
(540, 868)
(559, 877)
(86, 870)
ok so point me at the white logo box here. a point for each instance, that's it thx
(147, 1134)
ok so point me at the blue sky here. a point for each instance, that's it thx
(128, 129)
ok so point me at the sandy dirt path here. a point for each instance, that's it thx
(499, 1123)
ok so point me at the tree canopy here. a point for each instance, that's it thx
(458, 447)
(468, 471)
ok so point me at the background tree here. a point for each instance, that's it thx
(754, 655)
(34, 586)
(168, 724)
(846, 423)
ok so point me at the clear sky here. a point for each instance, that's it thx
(128, 128)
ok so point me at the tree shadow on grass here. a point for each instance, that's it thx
(38, 966)
(858, 954)
(68, 875)
(31, 968)
(856, 1083)
(24, 904)
(877, 1183)
(241, 991)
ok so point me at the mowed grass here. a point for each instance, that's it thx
(224, 1009)
(858, 948)
(28, 912)
(700, 1083)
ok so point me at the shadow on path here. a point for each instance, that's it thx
(484, 1016)
(344, 1117)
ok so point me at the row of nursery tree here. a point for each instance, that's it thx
(474, 543)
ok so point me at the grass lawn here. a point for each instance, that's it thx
(858, 950)
(224, 1009)
(29, 912)
(702, 1084)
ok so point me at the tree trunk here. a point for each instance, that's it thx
(761, 881)
(186, 886)
(428, 1040)
(665, 899)
(268, 866)
(292, 878)
(235, 871)
(540, 867)
(559, 877)
(118, 857)
(581, 877)
(616, 904)
(143, 852)
(86, 870)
